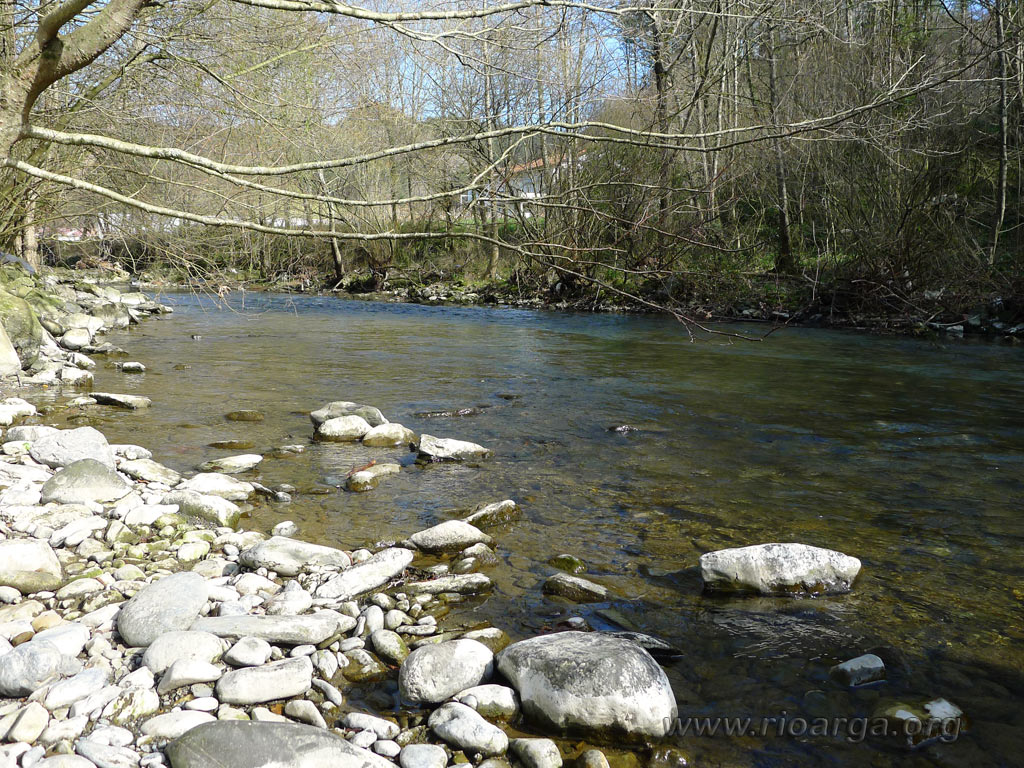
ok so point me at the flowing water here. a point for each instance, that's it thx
(908, 454)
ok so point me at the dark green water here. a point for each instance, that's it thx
(907, 454)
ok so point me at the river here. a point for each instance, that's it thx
(906, 453)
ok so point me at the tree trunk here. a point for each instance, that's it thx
(784, 262)
(1001, 181)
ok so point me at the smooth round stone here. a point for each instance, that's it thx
(248, 652)
(173, 646)
(537, 753)
(464, 729)
(423, 756)
(174, 724)
(386, 747)
(434, 673)
(203, 704)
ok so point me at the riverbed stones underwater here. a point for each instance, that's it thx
(141, 628)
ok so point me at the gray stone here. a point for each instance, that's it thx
(29, 724)
(278, 630)
(168, 605)
(28, 667)
(248, 652)
(582, 681)
(491, 701)
(29, 565)
(30, 433)
(68, 445)
(464, 729)
(10, 363)
(423, 756)
(494, 514)
(174, 724)
(206, 506)
(389, 436)
(449, 536)
(574, 588)
(232, 464)
(434, 673)
(131, 402)
(255, 685)
(185, 672)
(592, 758)
(779, 569)
(368, 575)
(381, 728)
(862, 670)
(107, 755)
(463, 584)
(150, 471)
(290, 557)
(369, 478)
(83, 481)
(67, 692)
(334, 410)
(343, 429)
(240, 744)
(173, 646)
(389, 645)
(432, 448)
(305, 712)
(537, 753)
(69, 637)
(217, 484)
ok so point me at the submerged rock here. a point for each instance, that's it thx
(578, 681)
(574, 588)
(242, 744)
(862, 670)
(369, 478)
(779, 569)
(432, 448)
(244, 415)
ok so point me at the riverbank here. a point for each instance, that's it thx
(768, 303)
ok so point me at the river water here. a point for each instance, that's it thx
(908, 454)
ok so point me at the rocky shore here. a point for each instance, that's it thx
(140, 626)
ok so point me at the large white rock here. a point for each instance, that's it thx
(339, 408)
(582, 681)
(12, 408)
(433, 673)
(150, 471)
(29, 565)
(83, 481)
(432, 448)
(343, 429)
(290, 557)
(173, 603)
(368, 575)
(449, 536)
(255, 685)
(67, 445)
(773, 569)
(10, 363)
(464, 729)
(28, 667)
